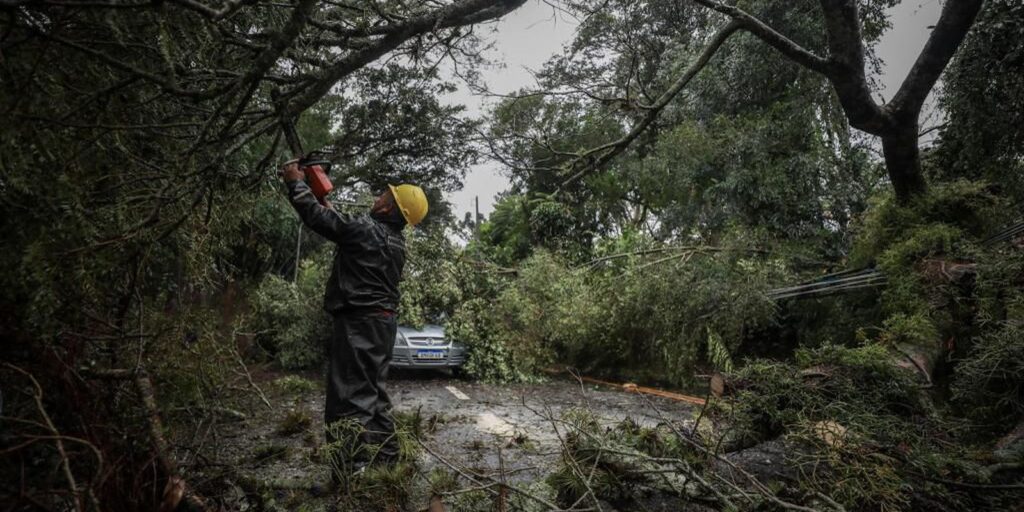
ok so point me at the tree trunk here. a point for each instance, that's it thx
(903, 162)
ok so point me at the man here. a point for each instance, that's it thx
(362, 297)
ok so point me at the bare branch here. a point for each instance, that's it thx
(595, 158)
(780, 42)
(846, 66)
(956, 19)
(459, 13)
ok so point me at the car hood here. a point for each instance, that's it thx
(428, 331)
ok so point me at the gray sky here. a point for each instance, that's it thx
(527, 37)
(523, 41)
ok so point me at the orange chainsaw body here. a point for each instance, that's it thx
(318, 181)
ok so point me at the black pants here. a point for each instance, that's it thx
(359, 355)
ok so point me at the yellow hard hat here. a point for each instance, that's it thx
(412, 202)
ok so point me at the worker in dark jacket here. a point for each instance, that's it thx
(362, 297)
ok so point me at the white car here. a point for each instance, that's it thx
(426, 348)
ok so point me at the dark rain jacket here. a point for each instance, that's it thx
(368, 260)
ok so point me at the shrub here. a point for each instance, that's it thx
(944, 223)
(857, 427)
(989, 383)
(293, 384)
(513, 335)
(433, 281)
(661, 316)
(848, 385)
(287, 317)
(675, 312)
(492, 355)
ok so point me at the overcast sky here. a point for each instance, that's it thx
(528, 36)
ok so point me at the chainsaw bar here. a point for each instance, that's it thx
(321, 157)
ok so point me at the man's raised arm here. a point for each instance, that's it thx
(324, 221)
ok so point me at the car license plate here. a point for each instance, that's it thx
(430, 354)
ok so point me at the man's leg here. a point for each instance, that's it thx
(382, 423)
(360, 354)
(350, 393)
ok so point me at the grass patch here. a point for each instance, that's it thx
(383, 485)
(294, 422)
(294, 385)
(270, 452)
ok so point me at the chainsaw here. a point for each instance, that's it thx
(316, 165)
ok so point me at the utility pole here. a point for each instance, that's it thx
(476, 218)
(298, 253)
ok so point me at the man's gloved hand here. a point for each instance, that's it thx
(291, 172)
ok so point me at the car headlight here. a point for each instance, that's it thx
(400, 340)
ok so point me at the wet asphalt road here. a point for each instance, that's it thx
(472, 422)
(478, 418)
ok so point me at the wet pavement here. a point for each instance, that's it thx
(512, 429)
(517, 418)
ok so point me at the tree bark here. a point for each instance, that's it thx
(903, 162)
(897, 122)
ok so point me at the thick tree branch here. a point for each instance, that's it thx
(229, 7)
(459, 13)
(897, 122)
(846, 67)
(956, 19)
(596, 158)
(281, 40)
(780, 42)
(455, 19)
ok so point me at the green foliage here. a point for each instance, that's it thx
(294, 422)
(293, 384)
(989, 381)
(613, 462)
(922, 307)
(999, 294)
(900, 235)
(858, 428)
(659, 311)
(651, 314)
(520, 224)
(192, 357)
(386, 487)
(854, 429)
(506, 235)
(380, 486)
(491, 357)
(944, 225)
(755, 141)
(287, 318)
(432, 284)
(983, 96)
(915, 329)
(860, 388)
(716, 174)
(718, 352)
(851, 417)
